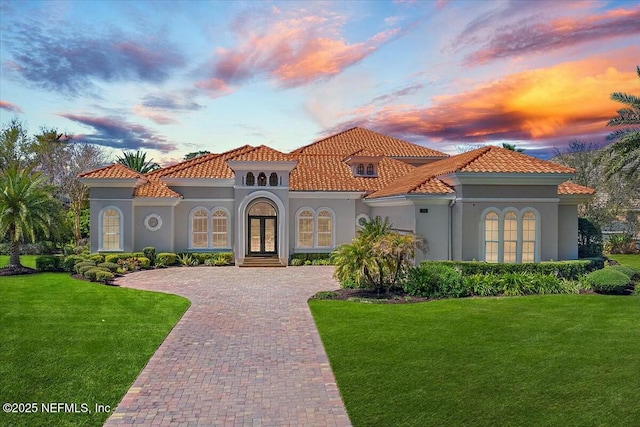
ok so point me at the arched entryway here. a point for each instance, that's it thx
(262, 228)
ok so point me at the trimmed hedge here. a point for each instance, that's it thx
(91, 273)
(630, 272)
(48, 263)
(150, 252)
(111, 266)
(117, 257)
(434, 281)
(82, 264)
(165, 259)
(104, 276)
(311, 257)
(570, 270)
(608, 281)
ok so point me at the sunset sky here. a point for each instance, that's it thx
(172, 77)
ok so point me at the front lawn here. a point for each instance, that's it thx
(631, 260)
(25, 260)
(554, 360)
(68, 341)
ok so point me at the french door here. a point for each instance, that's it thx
(263, 235)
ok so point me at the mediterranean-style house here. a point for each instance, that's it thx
(489, 204)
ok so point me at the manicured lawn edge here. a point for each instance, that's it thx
(537, 360)
(70, 341)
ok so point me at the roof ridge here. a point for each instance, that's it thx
(297, 150)
(115, 164)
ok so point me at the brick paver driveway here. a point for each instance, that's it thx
(246, 353)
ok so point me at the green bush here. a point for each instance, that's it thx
(482, 285)
(314, 256)
(111, 266)
(143, 262)
(70, 262)
(92, 272)
(117, 257)
(571, 270)
(434, 281)
(608, 281)
(81, 264)
(164, 259)
(630, 272)
(104, 276)
(620, 244)
(150, 252)
(320, 262)
(48, 263)
(84, 269)
(188, 260)
(296, 262)
(97, 258)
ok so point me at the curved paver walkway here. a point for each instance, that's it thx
(246, 353)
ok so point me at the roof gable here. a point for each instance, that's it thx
(489, 159)
(355, 139)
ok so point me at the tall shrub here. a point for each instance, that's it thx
(589, 239)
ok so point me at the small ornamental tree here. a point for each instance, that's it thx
(589, 239)
(378, 258)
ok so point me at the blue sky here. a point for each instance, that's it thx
(182, 76)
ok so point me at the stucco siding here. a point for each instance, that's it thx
(204, 192)
(568, 232)
(111, 193)
(434, 227)
(507, 191)
(161, 239)
(402, 218)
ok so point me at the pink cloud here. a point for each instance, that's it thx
(550, 104)
(292, 48)
(10, 107)
(214, 87)
(154, 114)
(526, 37)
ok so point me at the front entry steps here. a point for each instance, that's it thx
(261, 262)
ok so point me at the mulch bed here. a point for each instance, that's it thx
(393, 297)
(15, 271)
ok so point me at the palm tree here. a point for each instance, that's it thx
(377, 258)
(512, 147)
(27, 207)
(137, 161)
(624, 153)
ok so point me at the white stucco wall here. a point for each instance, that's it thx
(568, 232)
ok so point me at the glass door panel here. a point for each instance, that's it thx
(269, 235)
(254, 235)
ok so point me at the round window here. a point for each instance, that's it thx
(153, 222)
(362, 219)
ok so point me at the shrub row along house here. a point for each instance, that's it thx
(488, 204)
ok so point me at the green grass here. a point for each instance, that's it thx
(25, 260)
(556, 360)
(70, 341)
(632, 260)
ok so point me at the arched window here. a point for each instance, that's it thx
(251, 180)
(262, 179)
(305, 229)
(111, 229)
(370, 169)
(491, 237)
(360, 169)
(510, 238)
(199, 228)
(262, 209)
(219, 229)
(273, 179)
(529, 237)
(325, 229)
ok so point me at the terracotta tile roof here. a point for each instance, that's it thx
(487, 159)
(330, 173)
(114, 171)
(154, 188)
(209, 166)
(352, 140)
(573, 188)
(262, 153)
